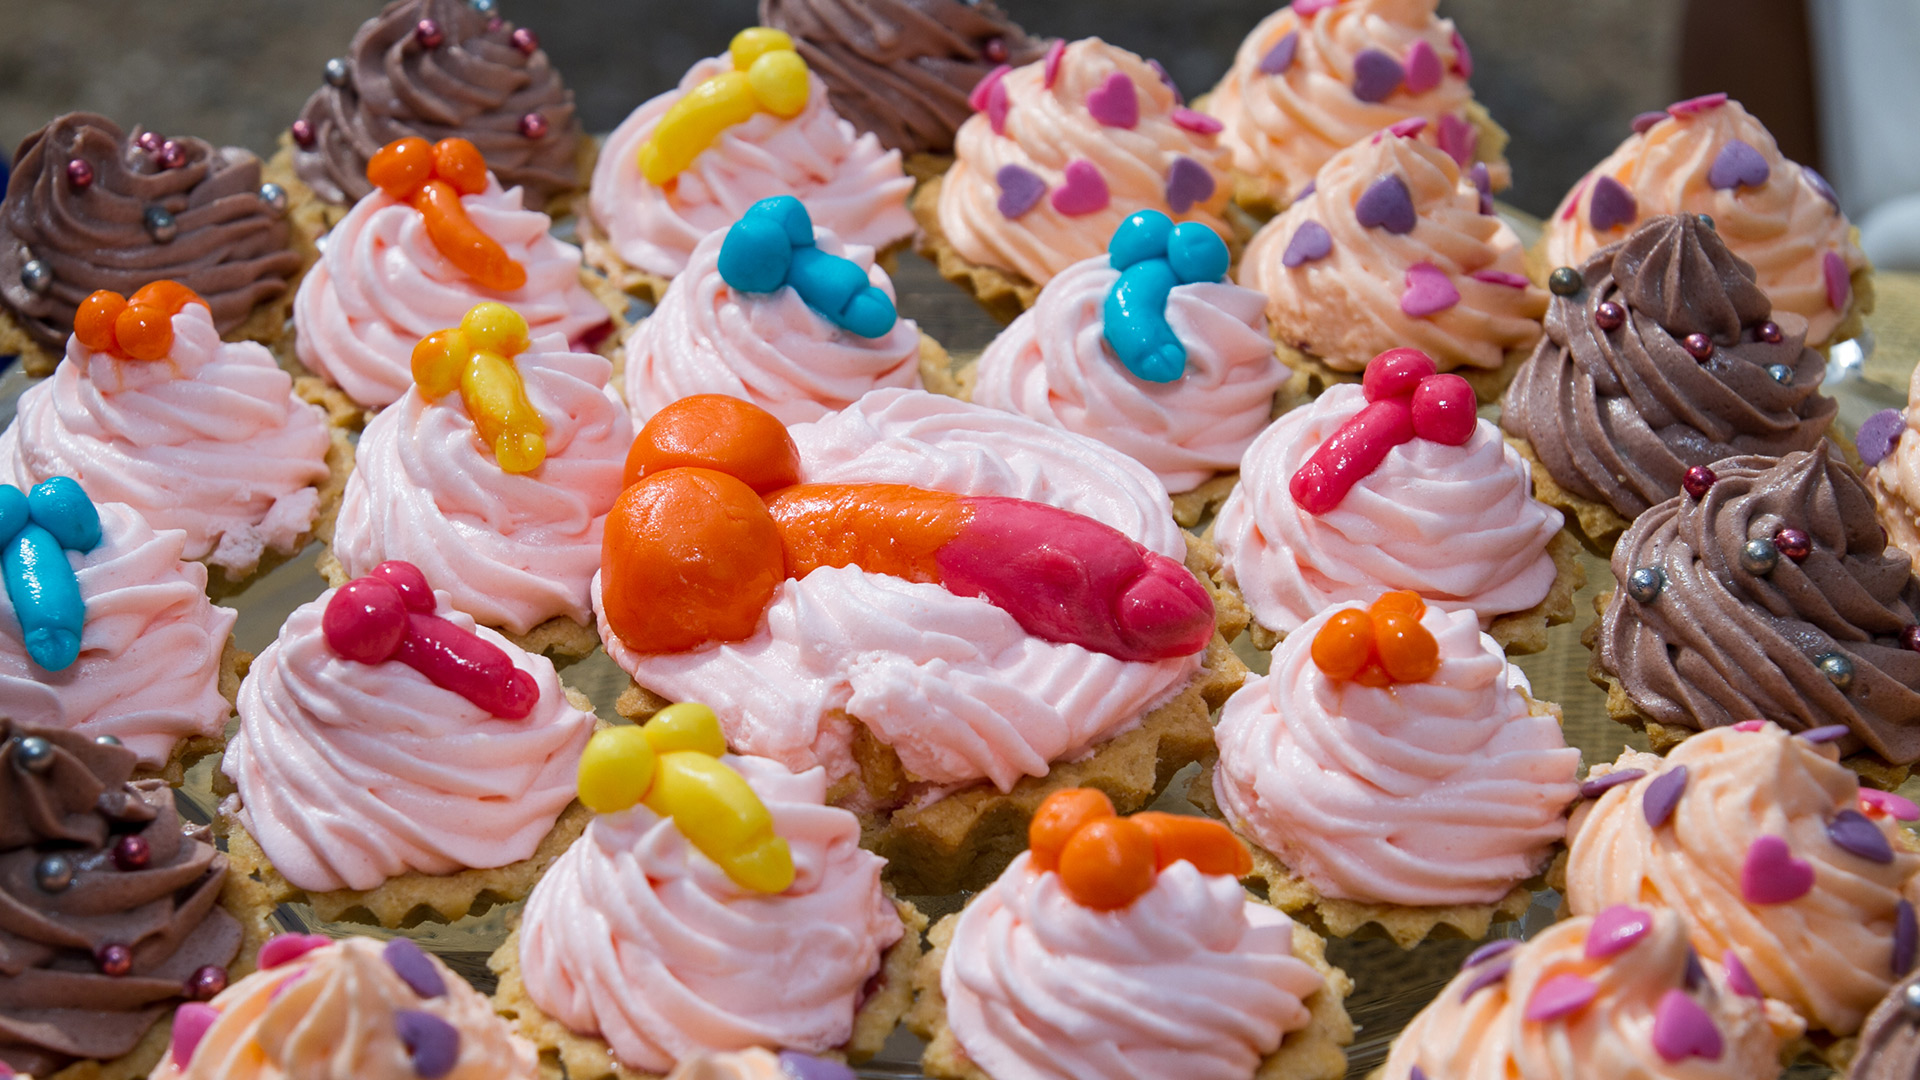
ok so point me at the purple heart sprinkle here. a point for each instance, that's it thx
(1417, 1073)
(1599, 785)
(1387, 204)
(1408, 128)
(1280, 57)
(414, 968)
(1647, 119)
(1429, 291)
(1376, 75)
(1905, 936)
(798, 1066)
(1615, 930)
(1682, 1029)
(1457, 138)
(1879, 434)
(1488, 951)
(1167, 81)
(1115, 102)
(1020, 190)
(1851, 831)
(1310, 242)
(1826, 734)
(1662, 794)
(1559, 995)
(1696, 105)
(1188, 183)
(1306, 191)
(1485, 977)
(1462, 58)
(1739, 979)
(1820, 186)
(432, 1043)
(1055, 52)
(1197, 122)
(1501, 277)
(1481, 177)
(1610, 204)
(1839, 287)
(1423, 68)
(1737, 165)
(1696, 974)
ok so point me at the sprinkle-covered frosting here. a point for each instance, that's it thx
(1710, 156)
(1395, 245)
(1763, 843)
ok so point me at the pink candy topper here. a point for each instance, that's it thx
(389, 615)
(1407, 399)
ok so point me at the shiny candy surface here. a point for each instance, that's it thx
(771, 247)
(1378, 647)
(768, 75)
(432, 178)
(1154, 256)
(1106, 862)
(36, 532)
(477, 358)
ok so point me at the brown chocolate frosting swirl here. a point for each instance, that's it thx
(56, 1005)
(474, 85)
(1890, 1039)
(1618, 416)
(902, 69)
(1721, 643)
(229, 245)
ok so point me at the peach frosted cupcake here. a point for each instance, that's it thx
(1890, 449)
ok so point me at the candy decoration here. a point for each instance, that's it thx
(1423, 68)
(1698, 480)
(1189, 183)
(1485, 977)
(771, 247)
(1021, 189)
(476, 358)
(767, 76)
(428, 33)
(1771, 875)
(995, 50)
(285, 948)
(1829, 733)
(1595, 786)
(1889, 804)
(1429, 291)
(533, 126)
(1737, 165)
(36, 276)
(432, 1044)
(1383, 645)
(274, 197)
(1696, 105)
(303, 134)
(1645, 121)
(1769, 332)
(53, 873)
(977, 97)
(1795, 544)
(714, 431)
(1739, 980)
(1698, 346)
(1662, 794)
(1608, 315)
(1396, 413)
(136, 328)
(1839, 286)
(1615, 930)
(114, 960)
(1311, 242)
(414, 968)
(1166, 80)
(1837, 668)
(1154, 256)
(1750, 725)
(36, 532)
(524, 40)
(131, 853)
(1197, 122)
(1646, 584)
(1611, 205)
(1279, 58)
(206, 982)
(798, 1066)
(1759, 556)
(1376, 75)
(1682, 1029)
(1106, 862)
(431, 178)
(1083, 190)
(1408, 128)
(1115, 102)
(1852, 832)
(1558, 996)
(1502, 277)
(1488, 951)
(80, 174)
(1462, 56)
(1309, 189)
(1905, 937)
(1309, 8)
(1387, 204)
(672, 765)
(1910, 638)
(1820, 187)
(999, 103)
(1565, 281)
(1050, 70)
(191, 1022)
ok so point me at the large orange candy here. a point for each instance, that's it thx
(1404, 601)
(144, 331)
(714, 431)
(1344, 645)
(1407, 650)
(93, 323)
(1062, 815)
(401, 166)
(690, 556)
(459, 163)
(170, 295)
(1210, 846)
(1108, 863)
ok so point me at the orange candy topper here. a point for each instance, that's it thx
(137, 328)
(1382, 645)
(1106, 862)
(431, 178)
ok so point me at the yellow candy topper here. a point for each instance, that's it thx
(672, 765)
(767, 74)
(476, 358)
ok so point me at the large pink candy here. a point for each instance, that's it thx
(1407, 399)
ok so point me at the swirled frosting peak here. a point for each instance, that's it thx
(1773, 595)
(468, 75)
(99, 208)
(111, 903)
(1619, 400)
(1761, 841)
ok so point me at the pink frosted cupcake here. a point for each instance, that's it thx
(645, 218)
(1318, 76)
(1060, 152)
(383, 281)
(1396, 245)
(1710, 156)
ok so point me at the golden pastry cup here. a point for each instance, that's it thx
(221, 585)
(234, 662)
(586, 1056)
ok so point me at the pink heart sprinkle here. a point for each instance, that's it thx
(1197, 122)
(1055, 52)
(1682, 1029)
(1886, 803)
(1771, 875)
(1115, 103)
(286, 948)
(997, 105)
(1306, 8)
(191, 1023)
(1750, 725)
(1462, 59)
(1501, 277)
(1739, 979)
(977, 100)
(1558, 996)
(1615, 930)
(1429, 291)
(1408, 128)
(1423, 68)
(1083, 192)
(1692, 106)
(1572, 206)
(1457, 138)
(1838, 285)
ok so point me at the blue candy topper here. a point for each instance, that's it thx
(1153, 255)
(772, 245)
(36, 532)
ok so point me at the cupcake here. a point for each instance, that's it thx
(1889, 1044)
(1396, 245)
(153, 410)
(123, 645)
(903, 69)
(511, 535)
(800, 335)
(1320, 75)
(90, 207)
(354, 1009)
(1710, 156)
(1060, 153)
(1767, 590)
(759, 1064)
(959, 611)
(1123, 947)
(112, 907)
(437, 236)
(1891, 453)
(714, 904)
(1661, 355)
(392, 755)
(1181, 383)
(1395, 484)
(435, 69)
(1393, 768)
(1619, 994)
(1780, 864)
(741, 127)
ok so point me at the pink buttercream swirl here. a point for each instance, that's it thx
(1448, 791)
(1456, 524)
(1054, 365)
(638, 938)
(381, 285)
(1192, 980)
(951, 683)
(210, 440)
(770, 349)
(851, 185)
(511, 549)
(351, 773)
(1359, 300)
(1478, 1027)
(149, 666)
(1048, 126)
(1787, 227)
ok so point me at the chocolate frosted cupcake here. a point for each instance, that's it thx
(92, 207)
(1772, 594)
(1889, 1046)
(437, 69)
(903, 69)
(111, 915)
(1661, 355)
